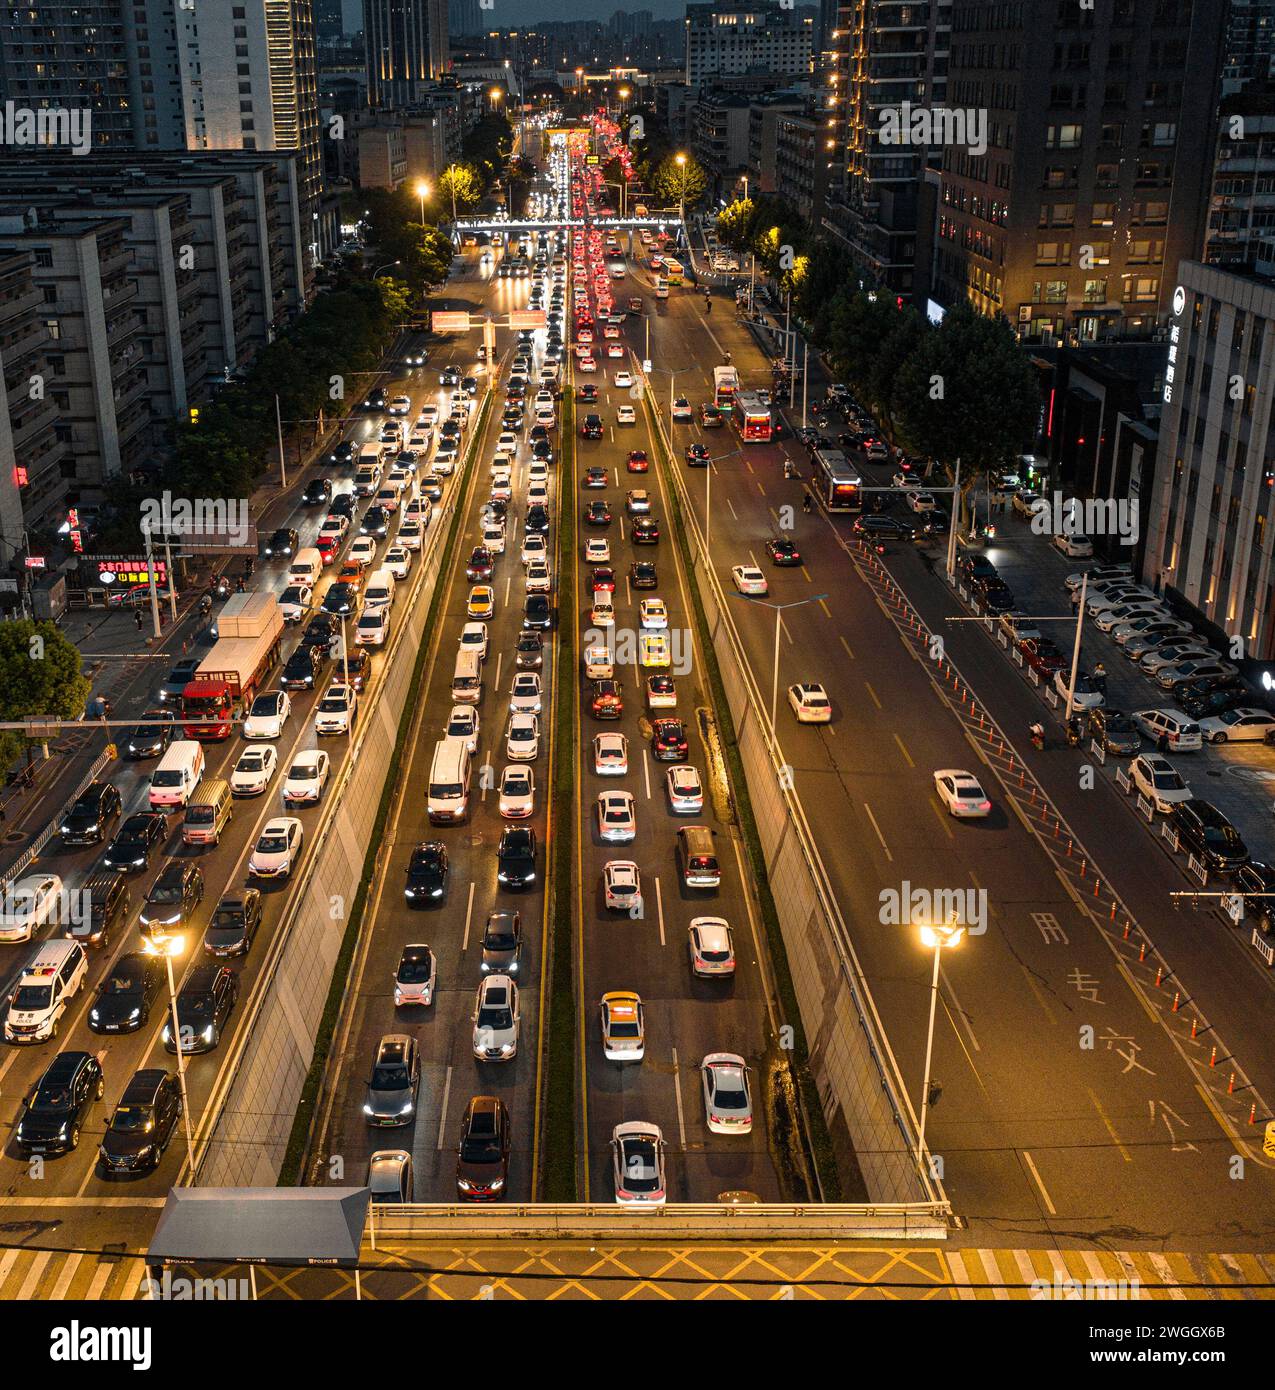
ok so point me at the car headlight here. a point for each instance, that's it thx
(506, 1049)
(367, 1110)
(94, 1015)
(464, 1184)
(134, 1015)
(207, 1033)
(497, 1184)
(407, 1108)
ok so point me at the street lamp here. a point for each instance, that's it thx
(386, 266)
(680, 160)
(495, 95)
(170, 947)
(779, 617)
(422, 191)
(936, 936)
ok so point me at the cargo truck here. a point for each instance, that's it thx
(249, 630)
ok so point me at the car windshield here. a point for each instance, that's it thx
(133, 1119)
(227, 919)
(496, 1017)
(273, 843)
(1167, 781)
(414, 970)
(389, 1076)
(166, 893)
(480, 1149)
(303, 772)
(332, 704)
(499, 939)
(32, 997)
(51, 1097)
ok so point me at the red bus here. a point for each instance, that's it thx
(753, 418)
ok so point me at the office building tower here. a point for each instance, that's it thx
(406, 48)
(726, 42)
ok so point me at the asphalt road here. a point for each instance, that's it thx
(1039, 1125)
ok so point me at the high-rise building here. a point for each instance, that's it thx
(1250, 43)
(1077, 155)
(406, 46)
(465, 17)
(886, 60)
(726, 42)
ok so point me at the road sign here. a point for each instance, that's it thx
(527, 318)
(450, 320)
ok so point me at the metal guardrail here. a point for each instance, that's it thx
(33, 849)
(675, 1221)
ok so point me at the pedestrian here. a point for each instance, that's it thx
(137, 618)
(1099, 677)
(1075, 600)
(1162, 743)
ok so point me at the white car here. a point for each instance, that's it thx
(334, 714)
(1075, 547)
(617, 818)
(1179, 731)
(610, 755)
(624, 380)
(306, 779)
(728, 1102)
(26, 904)
(1108, 619)
(1085, 695)
(1239, 726)
(534, 547)
(961, 792)
(623, 1026)
(524, 697)
(268, 715)
(909, 482)
(294, 602)
(653, 615)
(539, 580)
(334, 525)
(920, 501)
(598, 663)
(373, 626)
(597, 551)
(517, 793)
(363, 550)
(428, 416)
(685, 790)
(537, 471)
(463, 724)
(1159, 781)
(637, 1164)
(507, 444)
(682, 412)
(494, 538)
(409, 535)
(253, 771)
(1153, 626)
(661, 692)
(602, 613)
(417, 509)
(496, 1019)
(398, 560)
(277, 849)
(712, 947)
(622, 886)
(522, 738)
(625, 415)
(749, 580)
(473, 638)
(399, 405)
(1170, 653)
(809, 702)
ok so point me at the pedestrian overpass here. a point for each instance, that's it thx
(651, 222)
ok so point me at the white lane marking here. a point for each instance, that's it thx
(442, 1109)
(482, 795)
(1049, 1206)
(508, 581)
(677, 1092)
(646, 773)
(877, 828)
(962, 1016)
(659, 910)
(500, 656)
(469, 912)
(628, 593)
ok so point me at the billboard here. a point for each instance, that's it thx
(450, 320)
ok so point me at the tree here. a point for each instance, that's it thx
(736, 223)
(40, 674)
(680, 179)
(464, 183)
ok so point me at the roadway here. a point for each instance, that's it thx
(1034, 1129)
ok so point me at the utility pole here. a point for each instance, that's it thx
(150, 576)
(1075, 651)
(283, 463)
(951, 530)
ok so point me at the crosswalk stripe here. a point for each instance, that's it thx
(961, 1275)
(100, 1275)
(6, 1266)
(988, 1258)
(69, 1266)
(1164, 1273)
(31, 1282)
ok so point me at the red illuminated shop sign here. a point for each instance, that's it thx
(130, 572)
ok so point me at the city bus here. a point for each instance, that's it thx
(672, 271)
(835, 481)
(753, 418)
(725, 385)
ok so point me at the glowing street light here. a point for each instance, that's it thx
(422, 192)
(934, 936)
(170, 947)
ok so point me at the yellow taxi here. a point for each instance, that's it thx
(653, 649)
(623, 1027)
(482, 601)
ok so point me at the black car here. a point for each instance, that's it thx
(109, 903)
(511, 416)
(1254, 880)
(343, 504)
(151, 739)
(174, 895)
(134, 840)
(95, 809)
(123, 1001)
(321, 632)
(426, 874)
(516, 857)
(645, 530)
(1207, 834)
(536, 612)
(597, 513)
(343, 455)
(1114, 732)
(143, 1124)
(668, 741)
(1201, 704)
(376, 522)
(234, 923)
(375, 400)
(783, 552)
(283, 542)
(994, 595)
(591, 426)
(317, 492)
(588, 392)
(58, 1104)
(642, 574)
(529, 653)
(974, 567)
(178, 679)
(204, 1003)
(341, 599)
(885, 528)
(542, 451)
(502, 944)
(302, 668)
(449, 376)
(537, 523)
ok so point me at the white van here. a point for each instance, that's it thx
(54, 976)
(447, 800)
(372, 453)
(380, 590)
(177, 774)
(306, 566)
(467, 678)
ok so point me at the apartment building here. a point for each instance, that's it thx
(734, 40)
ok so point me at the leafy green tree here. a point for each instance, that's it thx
(680, 179)
(462, 180)
(40, 674)
(737, 223)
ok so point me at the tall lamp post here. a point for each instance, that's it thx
(936, 937)
(779, 617)
(170, 947)
(680, 161)
(422, 192)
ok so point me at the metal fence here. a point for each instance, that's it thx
(29, 854)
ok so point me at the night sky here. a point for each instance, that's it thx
(533, 11)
